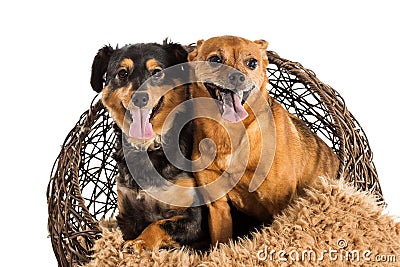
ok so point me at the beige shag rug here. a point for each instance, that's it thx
(333, 225)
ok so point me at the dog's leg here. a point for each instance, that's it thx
(171, 232)
(219, 218)
(220, 221)
(152, 237)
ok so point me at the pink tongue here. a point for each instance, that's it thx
(233, 111)
(140, 127)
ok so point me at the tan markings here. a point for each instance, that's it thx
(181, 193)
(185, 182)
(116, 102)
(152, 64)
(127, 63)
(152, 237)
(172, 99)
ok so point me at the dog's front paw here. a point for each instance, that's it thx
(133, 246)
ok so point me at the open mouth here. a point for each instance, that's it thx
(230, 104)
(140, 121)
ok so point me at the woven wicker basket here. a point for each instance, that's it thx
(82, 188)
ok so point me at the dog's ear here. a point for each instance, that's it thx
(192, 55)
(178, 52)
(263, 47)
(262, 43)
(99, 67)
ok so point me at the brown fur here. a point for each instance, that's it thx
(127, 63)
(300, 156)
(152, 64)
(153, 236)
(117, 102)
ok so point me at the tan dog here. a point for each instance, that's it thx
(300, 155)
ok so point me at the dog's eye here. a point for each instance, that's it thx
(252, 63)
(157, 73)
(215, 59)
(122, 74)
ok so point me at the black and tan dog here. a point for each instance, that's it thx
(146, 221)
(300, 156)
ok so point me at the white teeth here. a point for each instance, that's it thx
(217, 93)
(241, 94)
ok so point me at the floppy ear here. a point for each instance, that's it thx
(178, 53)
(99, 67)
(192, 55)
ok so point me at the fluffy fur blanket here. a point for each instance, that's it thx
(332, 225)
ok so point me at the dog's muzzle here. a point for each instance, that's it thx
(230, 102)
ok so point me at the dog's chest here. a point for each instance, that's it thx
(180, 193)
(145, 204)
(241, 153)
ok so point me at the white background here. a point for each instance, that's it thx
(47, 48)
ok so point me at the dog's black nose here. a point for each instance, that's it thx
(236, 77)
(140, 99)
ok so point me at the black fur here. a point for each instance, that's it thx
(138, 160)
(107, 59)
(191, 229)
(99, 68)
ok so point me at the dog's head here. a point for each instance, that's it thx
(235, 67)
(134, 86)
